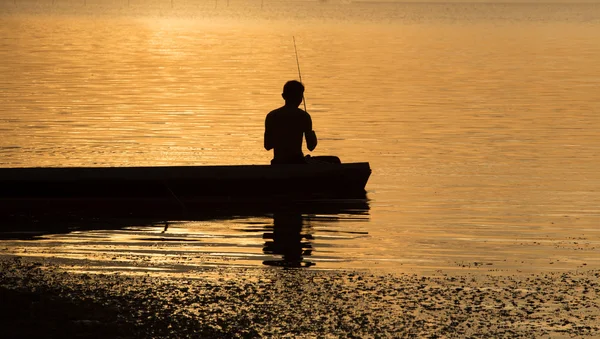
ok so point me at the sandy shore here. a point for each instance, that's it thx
(42, 300)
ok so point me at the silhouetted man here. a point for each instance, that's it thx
(286, 126)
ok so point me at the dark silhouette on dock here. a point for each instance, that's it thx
(287, 126)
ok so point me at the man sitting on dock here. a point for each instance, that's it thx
(286, 126)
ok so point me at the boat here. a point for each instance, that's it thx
(178, 187)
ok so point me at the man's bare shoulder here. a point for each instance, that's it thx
(276, 111)
(288, 110)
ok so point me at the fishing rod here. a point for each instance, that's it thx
(299, 74)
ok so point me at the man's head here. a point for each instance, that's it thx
(293, 92)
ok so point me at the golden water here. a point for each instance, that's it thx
(480, 122)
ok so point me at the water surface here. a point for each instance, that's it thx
(479, 120)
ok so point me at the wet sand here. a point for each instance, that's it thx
(42, 299)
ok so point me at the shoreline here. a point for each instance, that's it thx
(41, 299)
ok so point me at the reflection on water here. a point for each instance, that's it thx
(289, 237)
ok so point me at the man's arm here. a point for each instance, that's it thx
(311, 136)
(311, 140)
(268, 134)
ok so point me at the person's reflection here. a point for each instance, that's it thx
(288, 240)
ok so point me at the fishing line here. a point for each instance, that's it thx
(299, 74)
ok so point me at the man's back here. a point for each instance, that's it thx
(285, 128)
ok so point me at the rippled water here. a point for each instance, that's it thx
(480, 122)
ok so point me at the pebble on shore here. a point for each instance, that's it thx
(43, 300)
